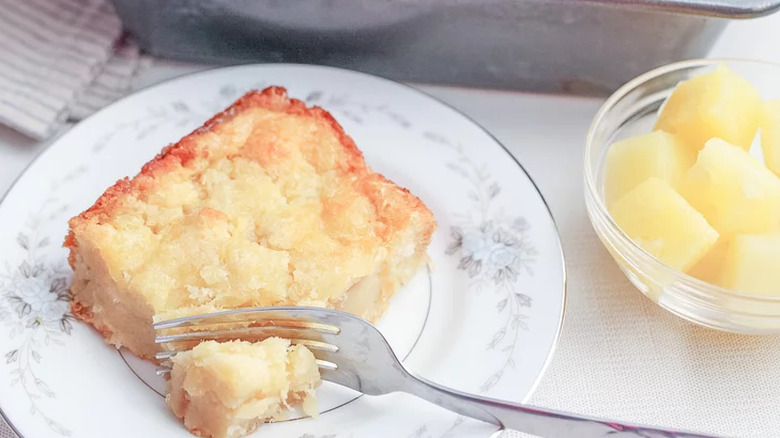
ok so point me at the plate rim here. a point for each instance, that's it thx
(425, 94)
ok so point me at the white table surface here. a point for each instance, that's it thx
(619, 355)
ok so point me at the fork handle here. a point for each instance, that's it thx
(533, 420)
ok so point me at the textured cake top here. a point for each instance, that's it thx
(269, 203)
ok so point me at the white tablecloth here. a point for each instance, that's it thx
(619, 356)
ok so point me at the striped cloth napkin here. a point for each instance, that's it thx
(60, 60)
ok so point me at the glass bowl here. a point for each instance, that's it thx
(630, 111)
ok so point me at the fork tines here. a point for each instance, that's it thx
(250, 324)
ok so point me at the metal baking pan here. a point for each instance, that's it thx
(569, 46)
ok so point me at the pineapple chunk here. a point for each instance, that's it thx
(630, 162)
(710, 267)
(664, 224)
(719, 104)
(753, 264)
(733, 190)
(770, 135)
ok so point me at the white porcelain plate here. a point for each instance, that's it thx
(483, 318)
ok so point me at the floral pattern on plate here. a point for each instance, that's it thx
(36, 305)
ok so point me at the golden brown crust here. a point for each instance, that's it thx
(181, 153)
(395, 207)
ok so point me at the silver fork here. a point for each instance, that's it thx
(352, 352)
